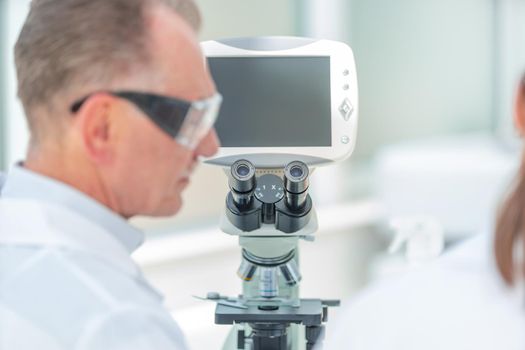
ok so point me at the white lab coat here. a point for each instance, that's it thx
(458, 302)
(67, 281)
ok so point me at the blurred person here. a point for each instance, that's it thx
(470, 298)
(120, 106)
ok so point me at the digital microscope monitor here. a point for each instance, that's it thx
(285, 99)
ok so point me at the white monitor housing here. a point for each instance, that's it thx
(285, 99)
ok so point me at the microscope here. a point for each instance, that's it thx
(290, 105)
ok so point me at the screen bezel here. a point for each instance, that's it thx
(342, 74)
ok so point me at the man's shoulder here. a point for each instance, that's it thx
(24, 222)
(80, 292)
(29, 210)
(71, 276)
(33, 222)
(32, 218)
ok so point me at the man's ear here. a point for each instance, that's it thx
(95, 127)
(519, 108)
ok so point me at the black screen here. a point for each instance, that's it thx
(273, 101)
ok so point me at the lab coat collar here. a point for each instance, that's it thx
(22, 183)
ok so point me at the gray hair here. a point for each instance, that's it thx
(65, 43)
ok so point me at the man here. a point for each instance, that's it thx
(109, 88)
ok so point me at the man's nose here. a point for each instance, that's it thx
(209, 145)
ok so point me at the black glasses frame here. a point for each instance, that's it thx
(167, 113)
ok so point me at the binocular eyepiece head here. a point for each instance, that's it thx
(243, 182)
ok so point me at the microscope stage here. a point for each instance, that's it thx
(309, 313)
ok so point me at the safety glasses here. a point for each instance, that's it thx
(185, 121)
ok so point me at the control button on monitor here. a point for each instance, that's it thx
(346, 109)
(346, 72)
(346, 87)
(345, 139)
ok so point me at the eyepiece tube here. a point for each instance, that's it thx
(296, 184)
(242, 182)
